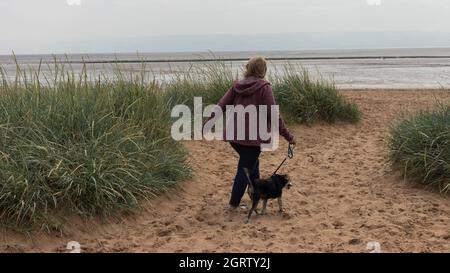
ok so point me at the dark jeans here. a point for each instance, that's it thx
(248, 158)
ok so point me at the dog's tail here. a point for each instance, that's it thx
(250, 182)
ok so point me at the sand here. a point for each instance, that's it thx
(342, 200)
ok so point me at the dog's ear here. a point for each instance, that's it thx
(283, 179)
(278, 180)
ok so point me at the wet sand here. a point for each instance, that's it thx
(342, 200)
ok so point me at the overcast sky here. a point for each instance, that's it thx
(31, 26)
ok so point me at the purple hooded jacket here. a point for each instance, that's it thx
(252, 91)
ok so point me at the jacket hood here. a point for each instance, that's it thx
(248, 86)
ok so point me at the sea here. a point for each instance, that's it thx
(389, 68)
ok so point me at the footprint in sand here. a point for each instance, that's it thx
(163, 232)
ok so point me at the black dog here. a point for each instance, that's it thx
(265, 189)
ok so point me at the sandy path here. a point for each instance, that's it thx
(339, 202)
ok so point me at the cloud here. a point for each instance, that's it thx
(97, 21)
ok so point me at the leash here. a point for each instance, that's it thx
(290, 155)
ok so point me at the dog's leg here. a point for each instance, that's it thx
(256, 209)
(254, 206)
(263, 211)
(280, 204)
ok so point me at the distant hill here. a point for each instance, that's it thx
(232, 42)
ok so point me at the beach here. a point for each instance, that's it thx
(344, 198)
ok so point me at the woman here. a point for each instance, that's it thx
(252, 90)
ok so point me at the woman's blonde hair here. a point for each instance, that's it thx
(256, 67)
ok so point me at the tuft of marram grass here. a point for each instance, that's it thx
(87, 147)
(419, 147)
(307, 100)
(209, 81)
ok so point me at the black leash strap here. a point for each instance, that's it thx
(290, 155)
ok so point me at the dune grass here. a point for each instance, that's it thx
(83, 147)
(419, 147)
(209, 81)
(302, 99)
(99, 146)
(307, 100)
